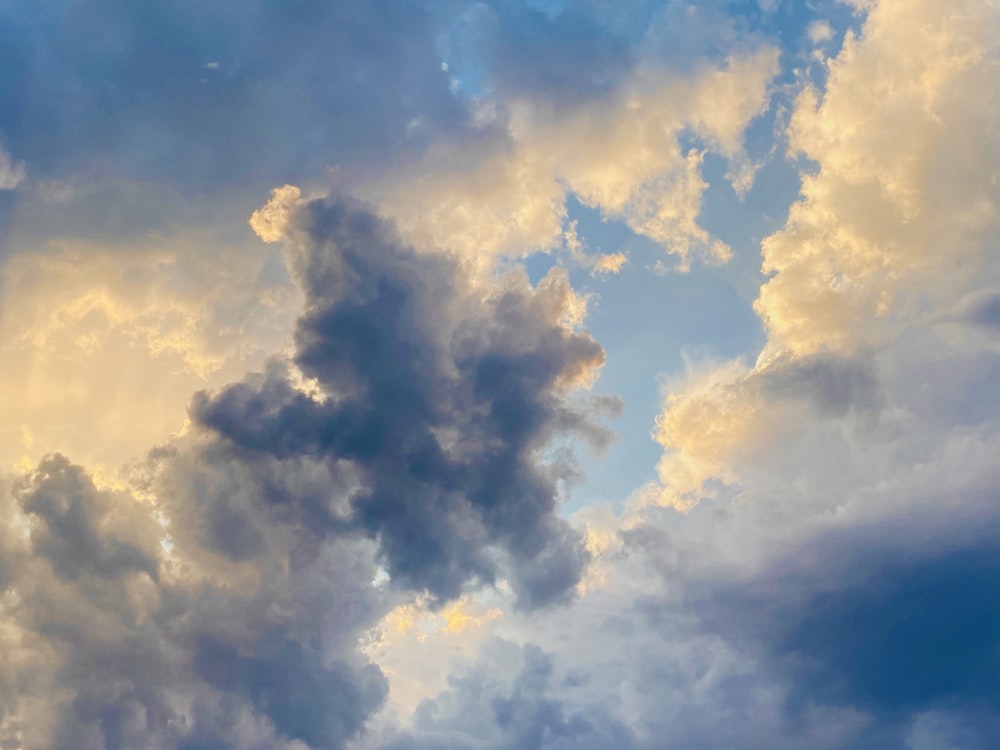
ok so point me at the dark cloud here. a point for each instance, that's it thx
(209, 95)
(982, 309)
(72, 525)
(125, 646)
(443, 401)
(904, 636)
(320, 705)
(896, 618)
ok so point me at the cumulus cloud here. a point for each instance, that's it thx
(901, 212)
(896, 226)
(821, 577)
(443, 401)
(622, 154)
(840, 599)
(222, 598)
(92, 332)
(721, 420)
(270, 221)
(118, 645)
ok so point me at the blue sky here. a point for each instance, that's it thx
(507, 375)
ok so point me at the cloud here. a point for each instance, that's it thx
(567, 56)
(981, 309)
(901, 212)
(820, 32)
(829, 538)
(12, 173)
(821, 578)
(345, 79)
(721, 420)
(443, 400)
(221, 598)
(118, 645)
(895, 225)
(504, 188)
(93, 333)
(521, 713)
(270, 221)
(883, 607)
(840, 599)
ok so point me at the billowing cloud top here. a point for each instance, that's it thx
(343, 476)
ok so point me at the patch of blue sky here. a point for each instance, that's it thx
(652, 323)
(648, 322)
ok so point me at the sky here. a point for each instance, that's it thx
(500, 375)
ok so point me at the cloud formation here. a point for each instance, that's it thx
(901, 212)
(443, 400)
(504, 188)
(366, 533)
(222, 601)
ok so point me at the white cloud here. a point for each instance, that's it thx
(897, 225)
(270, 221)
(902, 212)
(92, 337)
(12, 173)
(819, 32)
(503, 191)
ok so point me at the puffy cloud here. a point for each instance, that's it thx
(504, 189)
(222, 599)
(205, 98)
(443, 400)
(722, 420)
(894, 230)
(901, 212)
(841, 599)
(93, 333)
(118, 646)
(839, 494)
(270, 221)
(827, 583)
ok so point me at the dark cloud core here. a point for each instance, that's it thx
(441, 400)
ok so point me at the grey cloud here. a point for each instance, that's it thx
(832, 384)
(442, 401)
(72, 518)
(480, 710)
(88, 88)
(981, 309)
(130, 651)
(320, 705)
(895, 618)
(832, 604)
